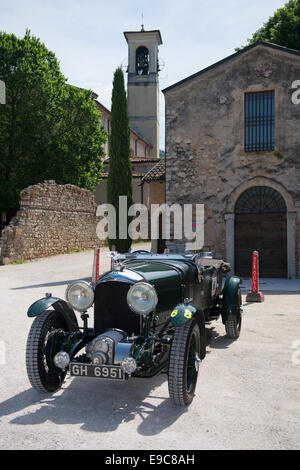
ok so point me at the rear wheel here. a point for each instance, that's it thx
(42, 373)
(184, 363)
(234, 322)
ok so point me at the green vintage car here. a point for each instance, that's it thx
(150, 313)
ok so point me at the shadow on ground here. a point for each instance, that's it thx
(272, 292)
(216, 341)
(98, 407)
(280, 292)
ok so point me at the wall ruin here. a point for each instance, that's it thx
(52, 219)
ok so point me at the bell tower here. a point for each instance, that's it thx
(142, 85)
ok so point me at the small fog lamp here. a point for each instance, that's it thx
(128, 365)
(61, 359)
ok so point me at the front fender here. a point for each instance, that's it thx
(182, 313)
(60, 305)
(230, 299)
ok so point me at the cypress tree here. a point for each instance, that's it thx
(119, 182)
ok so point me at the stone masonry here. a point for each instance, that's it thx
(52, 219)
(205, 158)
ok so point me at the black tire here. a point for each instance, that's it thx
(203, 341)
(43, 377)
(234, 323)
(182, 378)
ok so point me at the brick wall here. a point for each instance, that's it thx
(52, 219)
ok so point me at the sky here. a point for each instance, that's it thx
(87, 35)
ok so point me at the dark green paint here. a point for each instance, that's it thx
(60, 305)
(40, 306)
(183, 313)
(167, 276)
(152, 371)
(230, 300)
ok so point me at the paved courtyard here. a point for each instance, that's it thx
(247, 397)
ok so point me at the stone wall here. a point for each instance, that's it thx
(52, 219)
(205, 157)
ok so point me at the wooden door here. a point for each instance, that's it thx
(265, 233)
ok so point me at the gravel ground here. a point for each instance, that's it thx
(247, 394)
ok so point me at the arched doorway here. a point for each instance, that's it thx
(261, 224)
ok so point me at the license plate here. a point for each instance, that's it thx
(96, 371)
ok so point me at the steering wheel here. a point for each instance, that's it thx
(140, 251)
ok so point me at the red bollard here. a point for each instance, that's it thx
(255, 295)
(96, 265)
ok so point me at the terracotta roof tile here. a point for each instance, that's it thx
(157, 173)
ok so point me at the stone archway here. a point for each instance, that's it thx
(260, 225)
(290, 217)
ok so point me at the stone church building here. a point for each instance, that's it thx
(232, 144)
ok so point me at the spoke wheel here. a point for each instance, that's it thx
(184, 363)
(42, 373)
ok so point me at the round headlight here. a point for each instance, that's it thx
(80, 294)
(142, 298)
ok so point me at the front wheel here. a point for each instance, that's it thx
(184, 363)
(42, 373)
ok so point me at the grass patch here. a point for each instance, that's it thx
(77, 250)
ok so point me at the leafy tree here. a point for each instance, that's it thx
(119, 182)
(283, 28)
(48, 129)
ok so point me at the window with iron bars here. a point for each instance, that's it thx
(259, 121)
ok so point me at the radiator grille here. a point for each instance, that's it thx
(111, 309)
